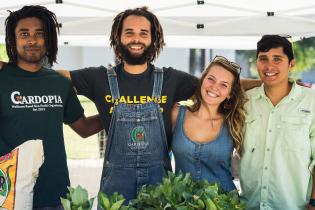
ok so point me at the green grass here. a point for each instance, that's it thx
(77, 147)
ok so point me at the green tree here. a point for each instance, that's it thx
(3, 53)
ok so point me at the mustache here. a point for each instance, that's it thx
(137, 43)
(32, 48)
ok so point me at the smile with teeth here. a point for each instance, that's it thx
(136, 47)
(270, 74)
(211, 94)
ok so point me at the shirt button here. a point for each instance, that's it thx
(268, 149)
(264, 187)
(138, 120)
(270, 130)
(266, 168)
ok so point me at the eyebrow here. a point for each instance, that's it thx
(273, 56)
(131, 29)
(226, 82)
(26, 29)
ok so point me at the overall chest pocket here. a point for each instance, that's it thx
(295, 132)
(138, 132)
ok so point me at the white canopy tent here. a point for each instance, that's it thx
(224, 24)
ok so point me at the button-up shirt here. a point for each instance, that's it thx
(279, 150)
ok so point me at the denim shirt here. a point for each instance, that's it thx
(210, 161)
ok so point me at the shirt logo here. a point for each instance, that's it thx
(17, 98)
(137, 134)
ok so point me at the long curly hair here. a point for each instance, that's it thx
(156, 31)
(235, 114)
(50, 25)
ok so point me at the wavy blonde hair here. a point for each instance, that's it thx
(235, 116)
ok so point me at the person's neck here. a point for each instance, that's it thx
(30, 67)
(135, 69)
(209, 112)
(277, 93)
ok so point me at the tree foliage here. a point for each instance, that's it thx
(3, 53)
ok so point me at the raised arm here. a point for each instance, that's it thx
(2, 64)
(64, 73)
(248, 84)
(87, 126)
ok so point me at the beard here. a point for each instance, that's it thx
(136, 59)
(31, 57)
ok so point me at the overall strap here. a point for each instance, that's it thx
(180, 118)
(113, 84)
(158, 82)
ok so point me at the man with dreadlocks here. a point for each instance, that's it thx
(35, 101)
(136, 98)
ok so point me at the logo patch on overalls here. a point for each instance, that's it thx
(137, 134)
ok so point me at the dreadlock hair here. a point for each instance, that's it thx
(50, 25)
(156, 31)
(235, 114)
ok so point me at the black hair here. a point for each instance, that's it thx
(156, 31)
(274, 41)
(50, 25)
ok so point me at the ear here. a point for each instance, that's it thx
(292, 64)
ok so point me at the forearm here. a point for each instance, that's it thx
(311, 205)
(248, 84)
(87, 126)
(64, 73)
(313, 188)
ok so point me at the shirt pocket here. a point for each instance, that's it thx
(252, 125)
(295, 133)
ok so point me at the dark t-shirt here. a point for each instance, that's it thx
(134, 89)
(34, 106)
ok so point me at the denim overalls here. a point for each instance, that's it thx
(136, 151)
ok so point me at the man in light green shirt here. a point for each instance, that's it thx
(278, 156)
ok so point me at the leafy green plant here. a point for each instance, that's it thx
(77, 199)
(181, 192)
(176, 192)
(113, 202)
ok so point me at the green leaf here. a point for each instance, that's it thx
(210, 205)
(79, 196)
(71, 190)
(103, 201)
(91, 201)
(117, 205)
(65, 203)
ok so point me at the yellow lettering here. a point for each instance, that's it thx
(164, 99)
(129, 101)
(135, 100)
(149, 98)
(161, 110)
(111, 110)
(142, 99)
(108, 98)
(122, 99)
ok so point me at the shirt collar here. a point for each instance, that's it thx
(293, 95)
